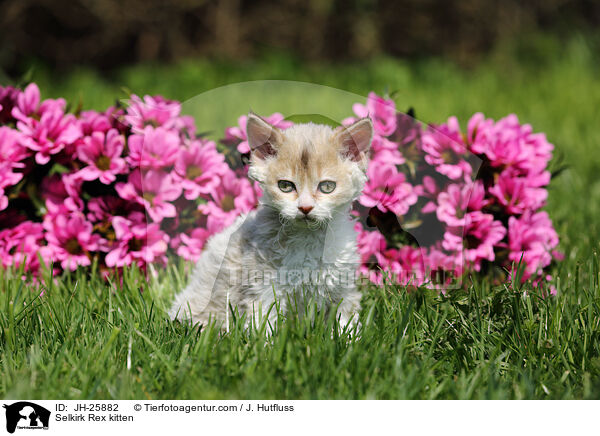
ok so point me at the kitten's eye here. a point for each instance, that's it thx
(326, 186)
(286, 186)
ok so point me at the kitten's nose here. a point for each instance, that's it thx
(305, 209)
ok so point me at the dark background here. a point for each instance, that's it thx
(105, 34)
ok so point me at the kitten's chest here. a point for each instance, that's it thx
(300, 251)
(323, 260)
(311, 260)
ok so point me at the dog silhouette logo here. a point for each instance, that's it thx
(26, 415)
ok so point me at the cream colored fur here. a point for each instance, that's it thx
(277, 252)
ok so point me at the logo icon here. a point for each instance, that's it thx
(26, 415)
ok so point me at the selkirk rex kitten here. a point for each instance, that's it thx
(300, 244)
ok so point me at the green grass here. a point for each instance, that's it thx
(482, 342)
(479, 342)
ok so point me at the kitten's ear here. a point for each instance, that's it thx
(263, 138)
(355, 140)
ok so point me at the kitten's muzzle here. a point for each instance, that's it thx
(305, 209)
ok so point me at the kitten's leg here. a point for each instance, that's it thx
(206, 295)
(265, 311)
(215, 281)
(191, 304)
(347, 311)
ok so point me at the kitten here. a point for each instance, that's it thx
(300, 242)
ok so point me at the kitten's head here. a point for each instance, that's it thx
(309, 172)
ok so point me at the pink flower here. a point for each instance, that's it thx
(445, 150)
(190, 247)
(154, 148)
(371, 247)
(513, 192)
(53, 190)
(381, 143)
(387, 189)
(7, 179)
(8, 100)
(21, 244)
(28, 101)
(189, 192)
(46, 128)
(389, 262)
(381, 111)
(11, 147)
(11, 153)
(72, 183)
(412, 265)
(507, 143)
(116, 116)
(542, 283)
(444, 267)
(152, 189)
(429, 190)
(152, 111)
(392, 157)
(478, 130)
(454, 203)
(404, 265)
(369, 243)
(137, 242)
(200, 168)
(232, 197)
(70, 239)
(3, 198)
(408, 130)
(102, 153)
(477, 239)
(533, 238)
(92, 121)
(103, 209)
(237, 135)
(387, 151)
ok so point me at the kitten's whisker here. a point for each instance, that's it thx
(282, 220)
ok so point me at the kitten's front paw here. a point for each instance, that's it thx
(350, 324)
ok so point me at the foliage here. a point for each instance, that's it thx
(86, 339)
(128, 185)
(63, 347)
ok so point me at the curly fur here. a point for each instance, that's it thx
(277, 251)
